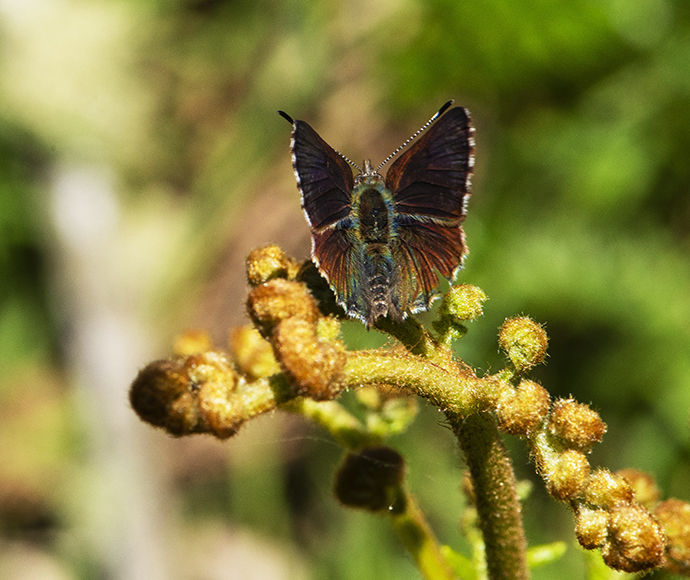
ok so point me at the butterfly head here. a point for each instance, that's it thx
(368, 174)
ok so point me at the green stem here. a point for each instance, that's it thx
(415, 533)
(411, 334)
(452, 388)
(496, 500)
(342, 425)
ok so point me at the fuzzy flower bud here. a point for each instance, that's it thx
(576, 424)
(565, 473)
(605, 489)
(635, 541)
(371, 480)
(192, 342)
(460, 304)
(524, 341)
(463, 302)
(313, 365)
(252, 353)
(264, 264)
(277, 300)
(674, 517)
(328, 328)
(591, 527)
(185, 395)
(520, 410)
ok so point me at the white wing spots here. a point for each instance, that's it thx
(470, 140)
(293, 157)
(311, 226)
(315, 259)
(466, 198)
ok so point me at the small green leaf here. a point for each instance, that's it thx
(545, 554)
(462, 566)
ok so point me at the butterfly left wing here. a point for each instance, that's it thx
(325, 181)
(339, 258)
(324, 178)
(431, 185)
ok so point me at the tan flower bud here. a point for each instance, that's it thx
(591, 527)
(277, 300)
(192, 342)
(524, 341)
(605, 490)
(519, 411)
(269, 262)
(635, 540)
(166, 393)
(566, 474)
(313, 365)
(576, 424)
(252, 353)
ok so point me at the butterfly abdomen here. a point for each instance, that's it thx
(378, 274)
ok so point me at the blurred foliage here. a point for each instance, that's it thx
(580, 218)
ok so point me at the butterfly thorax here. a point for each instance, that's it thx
(373, 205)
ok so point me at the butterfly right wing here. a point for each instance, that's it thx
(431, 185)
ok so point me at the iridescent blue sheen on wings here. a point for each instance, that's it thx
(380, 244)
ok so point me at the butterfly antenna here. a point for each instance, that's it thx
(357, 167)
(440, 112)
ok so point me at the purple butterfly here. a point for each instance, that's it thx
(380, 243)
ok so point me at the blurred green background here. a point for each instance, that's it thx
(141, 158)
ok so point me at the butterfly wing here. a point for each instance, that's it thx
(325, 181)
(324, 178)
(432, 178)
(431, 185)
(338, 256)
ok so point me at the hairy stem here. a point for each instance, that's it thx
(451, 388)
(415, 533)
(496, 500)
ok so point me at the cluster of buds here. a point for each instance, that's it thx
(293, 352)
(204, 390)
(304, 340)
(620, 513)
(520, 410)
(617, 513)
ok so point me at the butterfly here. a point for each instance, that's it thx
(379, 243)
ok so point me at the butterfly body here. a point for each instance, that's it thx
(372, 234)
(379, 242)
